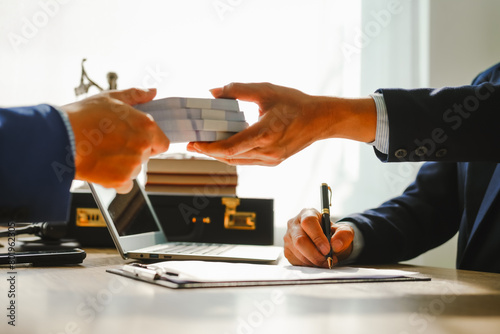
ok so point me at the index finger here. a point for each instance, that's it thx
(310, 223)
(237, 144)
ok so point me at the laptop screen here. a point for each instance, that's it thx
(130, 213)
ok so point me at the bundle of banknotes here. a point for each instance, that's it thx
(186, 119)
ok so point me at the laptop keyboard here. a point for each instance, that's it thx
(193, 249)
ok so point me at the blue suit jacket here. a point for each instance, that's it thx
(462, 124)
(36, 165)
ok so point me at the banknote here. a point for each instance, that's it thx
(188, 102)
(200, 124)
(187, 136)
(197, 113)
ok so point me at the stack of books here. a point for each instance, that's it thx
(185, 119)
(193, 176)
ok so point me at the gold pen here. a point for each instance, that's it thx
(325, 219)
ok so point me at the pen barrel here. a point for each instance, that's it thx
(325, 203)
(325, 224)
(325, 211)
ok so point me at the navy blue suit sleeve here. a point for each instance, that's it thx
(37, 165)
(425, 216)
(448, 124)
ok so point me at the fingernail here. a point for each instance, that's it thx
(196, 147)
(192, 147)
(337, 245)
(216, 91)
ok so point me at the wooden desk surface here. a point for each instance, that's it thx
(86, 299)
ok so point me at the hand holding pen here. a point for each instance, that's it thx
(307, 245)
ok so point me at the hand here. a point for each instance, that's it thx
(289, 122)
(307, 245)
(112, 138)
(284, 127)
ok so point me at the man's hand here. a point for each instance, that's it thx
(289, 122)
(283, 129)
(307, 245)
(112, 138)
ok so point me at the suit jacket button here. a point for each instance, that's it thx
(441, 153)
(401, 153)
(421, 151)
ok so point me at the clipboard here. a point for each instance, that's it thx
(185, 274)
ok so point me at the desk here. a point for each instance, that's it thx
(86, 299)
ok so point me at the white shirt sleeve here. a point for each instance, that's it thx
(381, 142)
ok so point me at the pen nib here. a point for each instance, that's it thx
(330, 262)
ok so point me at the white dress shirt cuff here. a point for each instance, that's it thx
(381, 142)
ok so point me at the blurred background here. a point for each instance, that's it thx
(322, 47)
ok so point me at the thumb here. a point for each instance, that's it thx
(217, 92)
(125, 188)
(251, 92)
(134, 96)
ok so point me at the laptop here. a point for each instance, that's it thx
(137, 233)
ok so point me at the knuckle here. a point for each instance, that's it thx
(270, 89)
(286, 237)
(287, 240)
(308, 220)
(317, 239)
(300, 241)
(230, 85)
(305, 211)
(135, 93)
(127, 94)
(231, 88)
(144, 121)
(265, 137)
(103, 101)
(267, 85)
(344, 231)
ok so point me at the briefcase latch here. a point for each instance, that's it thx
(234, 220)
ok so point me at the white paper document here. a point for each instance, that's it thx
(207, 272)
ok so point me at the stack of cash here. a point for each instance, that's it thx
(194, 119)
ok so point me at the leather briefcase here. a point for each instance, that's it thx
(216, 219)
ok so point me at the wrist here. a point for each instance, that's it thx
(349, 118)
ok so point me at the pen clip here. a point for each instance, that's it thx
(330, 191)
